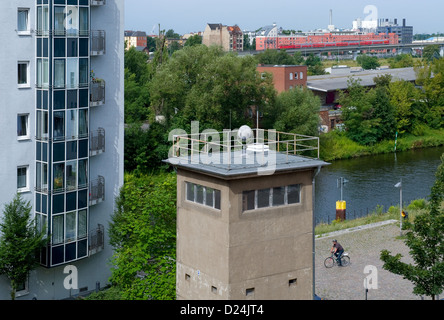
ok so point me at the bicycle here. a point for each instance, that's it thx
(329, 262)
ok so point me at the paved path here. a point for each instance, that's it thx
(364, 246)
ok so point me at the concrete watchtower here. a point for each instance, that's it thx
(245, 214)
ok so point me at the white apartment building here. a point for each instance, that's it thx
(62, 134)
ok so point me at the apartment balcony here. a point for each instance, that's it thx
(97, 142)
(96, 3)
(97, 191)
(98, 42)
(97, 93)
(96, 240)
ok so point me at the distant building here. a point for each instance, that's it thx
(230, 38)
(135, 39)
(327, 88)
(404, 32)
(286, 77)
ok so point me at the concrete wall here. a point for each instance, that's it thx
(229, 251)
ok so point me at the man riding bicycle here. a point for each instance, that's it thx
(337, 250)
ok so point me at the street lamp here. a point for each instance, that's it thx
(399, 185)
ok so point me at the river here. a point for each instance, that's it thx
(371, 182)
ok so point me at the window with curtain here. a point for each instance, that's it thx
(42, 125)
(83, 173)
(43, 20)
(22, 178)
(59, 21)
(57, 229)
(72, 73)
(23, 20)
(82, 229)
(83, 21)
(42, 73)
(83, 72)
(22, 126)
(59, 73)
(71, 226)
(71, 175)
(71, 124)
(83, 123)
(59, 176)
(41, 181)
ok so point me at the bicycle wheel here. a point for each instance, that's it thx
(345, 261)
(329, 262)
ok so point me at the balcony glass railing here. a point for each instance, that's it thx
(97, 142)
(98, 42)
(97, 92)
(97, 191)
(96, 240)
(95, 3)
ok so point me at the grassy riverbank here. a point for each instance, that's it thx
(336, 145)
(414, 208)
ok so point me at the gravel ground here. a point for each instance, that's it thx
(364, 247)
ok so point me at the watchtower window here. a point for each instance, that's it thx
(203, 195)
(271, 197)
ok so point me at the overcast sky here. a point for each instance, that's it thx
(184, 16)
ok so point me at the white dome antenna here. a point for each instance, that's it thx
(245, 134)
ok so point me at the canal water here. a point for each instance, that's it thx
(371, 182)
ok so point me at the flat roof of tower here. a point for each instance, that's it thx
(260, 152)
(247, 164)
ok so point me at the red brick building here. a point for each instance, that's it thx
(286, 77)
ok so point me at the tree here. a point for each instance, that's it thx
(143, 234)
(205, 84)
(145, 148)
(314, 65)
(280, 57)
(368, 115)
(401, 61)
(367, 62)
(297, 111)
(170, 34)
(19, 242)
(431, 52)
(426, 242)
(405, 98)
(193, 41)
(356, 113)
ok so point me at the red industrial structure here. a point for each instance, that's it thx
(324, 40)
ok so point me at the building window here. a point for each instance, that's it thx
(203, 195)
(291, 76)
(22, 179)
(23, 21)
(23, 126)
(23, 74)
(302, 75)
(43, 20)
(271, 197)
